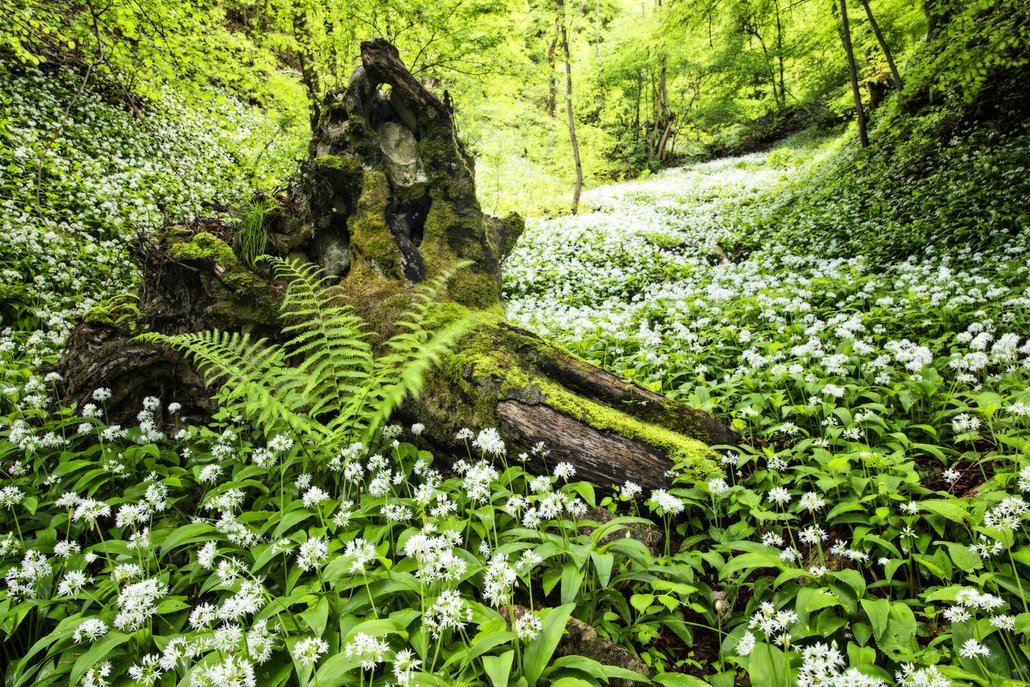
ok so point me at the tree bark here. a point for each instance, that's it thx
(898, 83)
(779, 53)
(387, 199)
(552, 90)
(856, 93)
(560, 9)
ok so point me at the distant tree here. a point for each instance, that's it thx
(888, 55)
(856, 93)
(564, 33)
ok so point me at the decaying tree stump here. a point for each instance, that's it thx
(386, 200)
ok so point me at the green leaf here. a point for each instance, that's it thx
(641, 602)
(603, 563)
(571, 581)
(678, 680)
(766, 666)
(334, 670)
(498, 668)
(96, 653)
(594, 669)
(878, 611)
(187, 534)
(963, 557)
(751, 561)
(810, 600)
(539, 651)
(317, 616)
(899, 640)
(572, 682)
(952, 509)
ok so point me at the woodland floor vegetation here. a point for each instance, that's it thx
(861, 315)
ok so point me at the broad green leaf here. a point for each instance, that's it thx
(766, 666)
(594, 668)
(678, 680)
(641, 602)
(187, 534)
(810, 600)
(539, 651)
(498, 668)
(603, 563)
(878, 611)
(899, 640)
(963, 557)
(951, 509)
(100, 651)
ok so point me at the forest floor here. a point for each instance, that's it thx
(884, 400)
(873, 519)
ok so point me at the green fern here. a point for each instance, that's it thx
(325, 383)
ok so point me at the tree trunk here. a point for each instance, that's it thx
(779, 53)
(600, 58)
(883, 46)
(560, 9)
(308, 74)
(387, 199)
(552, 93)
(849, 51)
(664, 119)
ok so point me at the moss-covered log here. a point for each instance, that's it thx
(386, 200)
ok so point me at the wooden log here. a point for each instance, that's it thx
(387, 199)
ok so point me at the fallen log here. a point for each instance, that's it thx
(386, 200)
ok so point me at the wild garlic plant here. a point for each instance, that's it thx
(884, 406)
(378, 567)
(879, 497)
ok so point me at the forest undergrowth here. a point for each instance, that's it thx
(869, 530)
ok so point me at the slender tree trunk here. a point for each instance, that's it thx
(636, 107)
(779, 52)
(664, 126)
(560, 7)
(883, 46)
(845, 35)
(652, 134)
(769, 64)
(552, 89)
(308, 73)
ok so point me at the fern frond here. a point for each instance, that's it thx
(252, 377)
(329, 337)
(404, 376)
(410, 353)
(327, 369)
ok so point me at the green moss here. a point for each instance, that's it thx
(493, 367)
(449, 237)
(371, 238)
(252, 298)
(120, 311)
(476, 290)
(341, 172)
(690, 454)
(201, 246)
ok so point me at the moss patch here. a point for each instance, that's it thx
(371, 239)
(341, 172)
(493, 364)
(249, 299)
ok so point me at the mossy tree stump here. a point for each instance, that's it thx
(386, 200)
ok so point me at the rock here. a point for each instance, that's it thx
(403, 165)
(582, 640)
